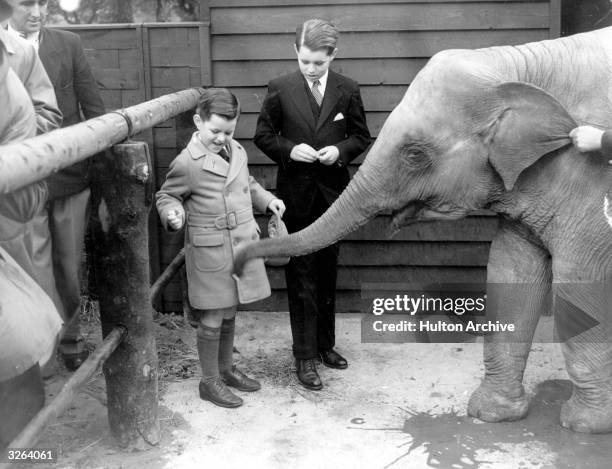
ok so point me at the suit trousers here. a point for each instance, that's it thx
(68, 222)
(311, 290)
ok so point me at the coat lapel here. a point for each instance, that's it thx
(211, 162)
(238, 159)
(300, 98)
(331, 97)
(215, 164)
(50, 56)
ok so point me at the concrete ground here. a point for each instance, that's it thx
(396, 406)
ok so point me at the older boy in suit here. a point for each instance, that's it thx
(77, 93)
(312, 124)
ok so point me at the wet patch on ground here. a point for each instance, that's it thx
(461, 442)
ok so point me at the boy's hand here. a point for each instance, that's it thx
(304, 153)
(586, 138)
(176, 219)
(277, 206)
(329, 155)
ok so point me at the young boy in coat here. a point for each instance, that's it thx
(209, 189)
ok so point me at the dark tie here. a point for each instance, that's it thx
(223, 154)
(316, 93)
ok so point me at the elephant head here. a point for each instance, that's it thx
(489, 129)
(471, 132)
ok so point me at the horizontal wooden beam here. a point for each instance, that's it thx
(34, 159)
(366, 45)
(275, 3)
(404, 253)
(373, 17)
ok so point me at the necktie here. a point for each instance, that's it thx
(223, 154)
(316, 93)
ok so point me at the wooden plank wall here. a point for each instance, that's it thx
(382, 46)
(242, 44)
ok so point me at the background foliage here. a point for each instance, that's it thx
(125, 11)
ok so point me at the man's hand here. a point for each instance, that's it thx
(304, 153)
(586, 138)
(277, 206)
(176, 219)
(329, 155)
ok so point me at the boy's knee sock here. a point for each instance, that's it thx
(226, 345)
(208, 351)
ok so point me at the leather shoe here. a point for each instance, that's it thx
(333, 359)
(307, 374)
(73, 353)
(217, 392)
(237, 379)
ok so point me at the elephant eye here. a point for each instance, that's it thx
(415, 156)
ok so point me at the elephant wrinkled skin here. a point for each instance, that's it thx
(489, 129)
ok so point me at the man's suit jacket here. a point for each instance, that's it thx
(286, 119)
(62, 55)
(75, 87)
(77, 92)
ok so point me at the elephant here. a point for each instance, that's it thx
(488, 129)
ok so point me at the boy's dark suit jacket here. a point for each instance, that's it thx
(75, 88)
(286, 119)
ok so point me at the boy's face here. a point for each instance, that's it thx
(28, 15)
(314, 63)
(215, 132)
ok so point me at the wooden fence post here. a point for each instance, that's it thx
(122, 199)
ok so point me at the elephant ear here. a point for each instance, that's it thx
(529, 124)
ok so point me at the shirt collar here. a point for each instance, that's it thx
(197, 148)
(32, 38)
(322, 80)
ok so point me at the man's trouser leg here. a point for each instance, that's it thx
(68, 223)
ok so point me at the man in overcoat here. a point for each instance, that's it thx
(78, 97)
(29, 322)
(30, 243)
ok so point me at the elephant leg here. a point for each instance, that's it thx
(518, 291)
(580, 306)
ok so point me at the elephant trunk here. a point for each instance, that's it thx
(357, 204)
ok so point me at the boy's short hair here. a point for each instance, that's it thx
(316, 34)
(218, 101)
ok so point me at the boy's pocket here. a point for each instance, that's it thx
(209, 251)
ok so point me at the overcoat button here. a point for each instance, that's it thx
(228, 191)
(245, 189)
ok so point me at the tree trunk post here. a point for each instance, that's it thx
(122, 199)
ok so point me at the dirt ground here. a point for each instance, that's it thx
(396, 406)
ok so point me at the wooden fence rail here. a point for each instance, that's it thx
(122, 194)
(36, 158)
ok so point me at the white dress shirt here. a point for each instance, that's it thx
(322, 81)
(32, 38)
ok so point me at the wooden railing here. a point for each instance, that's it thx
(122, 194)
